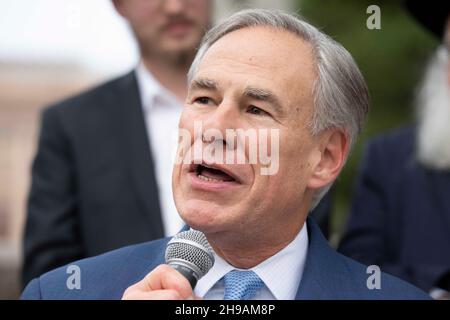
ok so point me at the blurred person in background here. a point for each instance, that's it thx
(101, 178)
(400, 217)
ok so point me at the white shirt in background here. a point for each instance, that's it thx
(162, 111)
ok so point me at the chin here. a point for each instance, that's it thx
(203, 215)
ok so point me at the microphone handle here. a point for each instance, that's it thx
(186, 272)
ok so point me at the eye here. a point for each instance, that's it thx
(257, 111)
(202, 100)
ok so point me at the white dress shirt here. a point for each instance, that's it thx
(162, 111)
(280, 273)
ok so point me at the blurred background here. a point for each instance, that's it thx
(50, 49)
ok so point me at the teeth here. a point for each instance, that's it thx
(208, 179)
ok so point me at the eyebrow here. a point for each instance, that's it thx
(259, 94)
(265, 96)
(204, 83)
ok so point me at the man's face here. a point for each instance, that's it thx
(244, 201)
(166, 27)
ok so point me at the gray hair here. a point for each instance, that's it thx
(341, 98)
(432, 107)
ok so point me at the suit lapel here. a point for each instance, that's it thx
(137, 151)
(137, 266)
(324, 274)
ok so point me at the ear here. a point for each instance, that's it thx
(119, 6)
(334, 148)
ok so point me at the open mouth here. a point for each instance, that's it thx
(212, 173)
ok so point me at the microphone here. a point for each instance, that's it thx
(190, 253)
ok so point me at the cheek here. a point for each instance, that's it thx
(278, 193)
(296, 159)
(199, 11)
(145, 22)
(294, 147)
(187, 120)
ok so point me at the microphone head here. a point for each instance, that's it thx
(190, 249)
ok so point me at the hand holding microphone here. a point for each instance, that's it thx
(189, 257)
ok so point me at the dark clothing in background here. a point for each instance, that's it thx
(400, 217)
(93, 181)
(322, 213)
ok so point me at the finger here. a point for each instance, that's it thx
(165, 277)
(169, 278)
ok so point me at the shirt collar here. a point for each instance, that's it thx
(150, 90)
(281, 273)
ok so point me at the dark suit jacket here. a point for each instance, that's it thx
(327, 275)
(400, 218)
(93, 184)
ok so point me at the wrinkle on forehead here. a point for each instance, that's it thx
(275, 48)
(276, 57)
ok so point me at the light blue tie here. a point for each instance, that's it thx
(241, 285)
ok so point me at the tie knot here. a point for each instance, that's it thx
(241, 285)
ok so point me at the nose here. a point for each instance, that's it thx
(225, 116)
(174, 7)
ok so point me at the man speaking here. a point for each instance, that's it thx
(301, 101)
